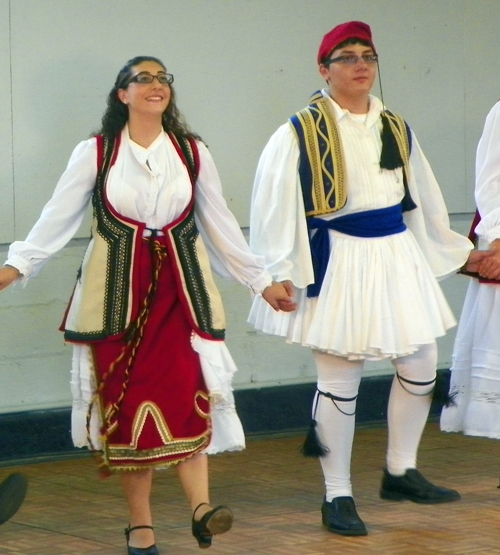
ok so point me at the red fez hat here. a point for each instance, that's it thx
(345, 31)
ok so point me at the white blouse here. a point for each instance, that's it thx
(487, 190)
(150, 185)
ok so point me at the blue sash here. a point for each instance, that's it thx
(371, 223)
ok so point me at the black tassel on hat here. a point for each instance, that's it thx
(312, 447)
(390, 157)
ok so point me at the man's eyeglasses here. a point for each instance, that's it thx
(352, 59)
(145, 78)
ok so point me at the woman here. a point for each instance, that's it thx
(475, 377)
(151, 376)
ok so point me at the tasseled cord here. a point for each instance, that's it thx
(390, 157)
(442, 395)
(312, 447)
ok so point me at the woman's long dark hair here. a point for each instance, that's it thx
(116, 115)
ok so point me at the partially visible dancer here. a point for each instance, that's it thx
(12, 493)
(350, 218)
(151, 374)
(475, 371)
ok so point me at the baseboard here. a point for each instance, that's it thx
(43, 435)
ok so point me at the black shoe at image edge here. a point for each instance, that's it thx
(12, 493)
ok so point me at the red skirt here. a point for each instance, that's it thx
(152, 395)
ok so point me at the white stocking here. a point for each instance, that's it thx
(340, 378)
(409, 405)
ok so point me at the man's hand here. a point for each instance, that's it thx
(280, 296)
(8, 274)
(489, 267)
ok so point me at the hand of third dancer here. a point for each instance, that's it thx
(280, 296)
(489, 267)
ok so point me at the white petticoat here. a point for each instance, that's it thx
(379, 299)
(475, 374)
(218, 369)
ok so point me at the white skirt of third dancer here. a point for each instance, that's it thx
(475, 374)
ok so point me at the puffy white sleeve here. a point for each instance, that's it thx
(278, 228)
(445, 250)
(487, 190)
(62, 215)
(229, 253)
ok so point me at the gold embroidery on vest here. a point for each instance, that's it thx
(203, 298)
(400, 133)
(317, 159)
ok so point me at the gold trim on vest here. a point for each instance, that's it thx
(322, 173)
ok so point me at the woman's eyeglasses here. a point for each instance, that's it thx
(145, 78)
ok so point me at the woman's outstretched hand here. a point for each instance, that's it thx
(8, 274)
(280, 296)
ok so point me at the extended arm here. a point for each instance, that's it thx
(8, 274)
(60, 218)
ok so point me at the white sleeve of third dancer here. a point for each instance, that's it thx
(488, 177)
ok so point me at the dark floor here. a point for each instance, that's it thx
(276, 495)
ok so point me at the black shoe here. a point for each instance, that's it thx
(12, 493)
(216, 521)
(413, 486)
(151, 550)
(340, 517)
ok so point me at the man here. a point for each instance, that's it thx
(327, 213)
(12, 492)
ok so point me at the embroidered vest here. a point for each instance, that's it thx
(103, 303)
(321, 164)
